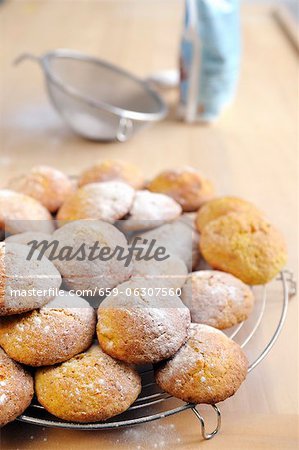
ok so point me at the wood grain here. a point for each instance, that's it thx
(251, 152)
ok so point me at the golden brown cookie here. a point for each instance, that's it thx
(90, 387)
(98, 272)
(108, 201)
(56, 332)
(219, 207)
(16, 389)
(49, 186)
(19, 213)
(244, 245)
(140, 328)
(115, 170)
(217, 298)
(209, 368)
(25, 284)
(187, 186)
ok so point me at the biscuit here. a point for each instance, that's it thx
(150, 210)
(90, 387)
(244, 245)
(16, 389)
(28, 236)
(178, 238)
(168, 273)
(140, 328)
(113, 170)
(19, 213)
(220, 206)
(49, 186)
(209, 368)
(56, 332)
(19, 277)
(108, 201)
(84, 273)
(217, 298)
(186, 186)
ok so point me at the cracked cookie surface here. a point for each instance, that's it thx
(208, 368)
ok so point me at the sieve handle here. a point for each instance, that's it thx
(125, 129)
(23, 56)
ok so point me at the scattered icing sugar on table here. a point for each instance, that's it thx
(150, 436)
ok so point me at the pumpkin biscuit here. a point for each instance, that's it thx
(186, 186)
(50, 335)
(20, 277)
(217, 298)
(108, 201)
(49, 186)
(208, 368)
(113, 170)
(16, 389)
(90, 387)
(244, 245)
(220, 206)
(20, 213)
(140, 328)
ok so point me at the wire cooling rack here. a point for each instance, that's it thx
(154, 404)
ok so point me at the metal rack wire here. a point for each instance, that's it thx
(154, 404)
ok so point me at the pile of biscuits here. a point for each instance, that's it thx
(81, 361)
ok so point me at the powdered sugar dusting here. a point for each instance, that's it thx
(161, 436)
(217, 298)
(3, 398)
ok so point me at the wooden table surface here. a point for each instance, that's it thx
(251, 152)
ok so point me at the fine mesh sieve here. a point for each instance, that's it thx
(98, 100)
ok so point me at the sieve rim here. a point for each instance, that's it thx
(120, 112)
